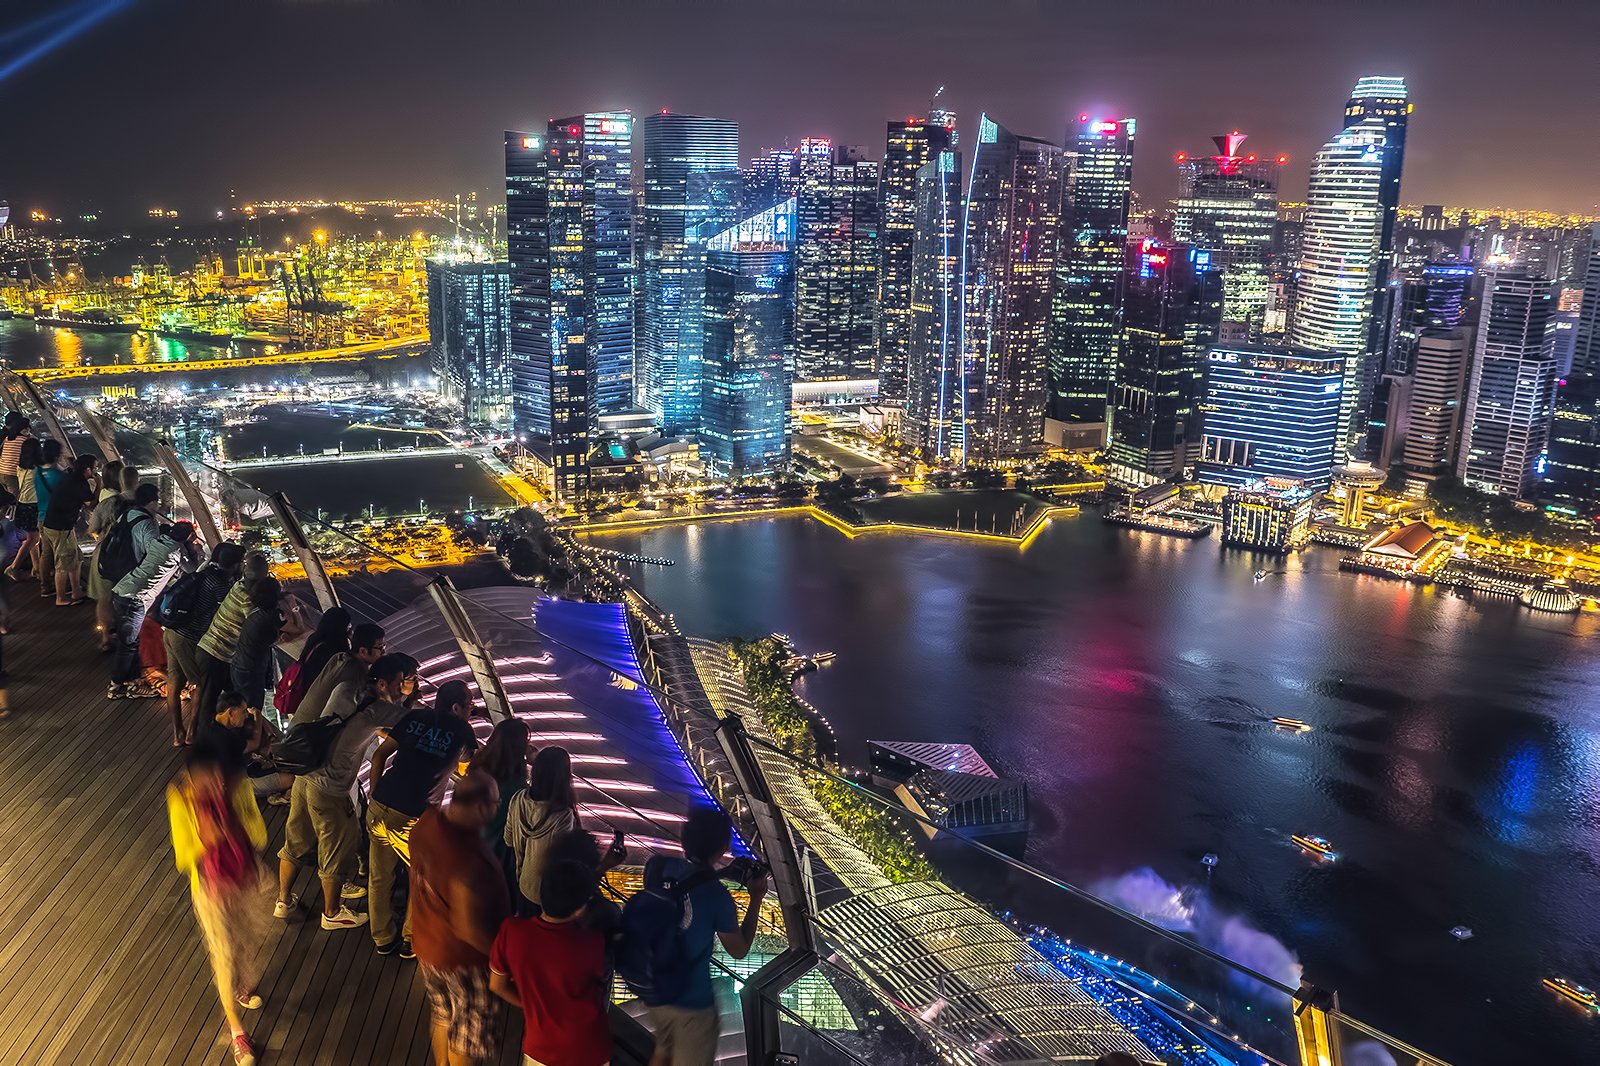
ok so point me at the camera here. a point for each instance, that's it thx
(743, 870)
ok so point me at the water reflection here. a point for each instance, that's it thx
(1128, 679)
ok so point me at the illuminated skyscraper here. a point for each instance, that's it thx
(528, 248)
(749, 344)
(911, 145)
(1586, 350)
(1339, 251)
(1269, 412)
(1437, 385)
(691, 192)
(1008, 261)
(1572, 482)
(935, 417)
(469, 334)
(1511, 387)
(836, 265)
(1228, 204)
(1171, 311)
(1085, 316)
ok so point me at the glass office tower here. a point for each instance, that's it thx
(749, 344)
(1339, 251)
(836, 264)
(528, 249)
(1085, 316)
(1228, 204)
(910, 146)
(935, 415)
(469, 333)
(1172, 308)
(1511, 388)
(1008, 261)
(1269, 412)
(691, 192)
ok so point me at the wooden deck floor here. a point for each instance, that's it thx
(100, 958)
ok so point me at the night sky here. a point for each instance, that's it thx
(174, 103)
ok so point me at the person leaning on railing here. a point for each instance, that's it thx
(118, 485)
(214, 650)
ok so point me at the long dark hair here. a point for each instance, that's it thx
(28, 458)
(504, 756)
(16, 424)
(551, 781)
(331, 636)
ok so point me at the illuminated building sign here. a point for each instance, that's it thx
(613, 125)
(530, 142)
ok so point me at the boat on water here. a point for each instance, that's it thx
(1209, 859)
(95, 319)
(1318, 846)
(1292, 725)
(1575, 992)
(1261, 575)
(1461, 932)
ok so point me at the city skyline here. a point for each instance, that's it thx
(1159, 64)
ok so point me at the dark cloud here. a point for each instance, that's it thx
(178, 102)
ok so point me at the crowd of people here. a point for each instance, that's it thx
(472, 858)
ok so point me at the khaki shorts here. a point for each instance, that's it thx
(182, 667)
(323, 827)
(63, 544)
(685, 1037)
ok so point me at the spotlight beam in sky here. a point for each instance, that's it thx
(79, 19)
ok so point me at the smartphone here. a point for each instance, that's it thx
(616, 840)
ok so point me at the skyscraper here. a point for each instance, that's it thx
(1269, 412)
(1586, 349)
(469, 334)
(1437, 387)
(836, 266)
(1228, 204)
(749, 344)
(1572, 482)
(528, 248)
(1383, 102)
(1511, 387)
(935, 419)
(1008, 260)
(691, 192)
(910, 146)
(1339, 251)
(1085, 314)
(1172, 309)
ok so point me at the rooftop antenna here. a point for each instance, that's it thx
(936, 94)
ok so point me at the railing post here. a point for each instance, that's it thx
(476, 652)
(21, 388)
(1319, 1045)
(321, 584)
(199, 509)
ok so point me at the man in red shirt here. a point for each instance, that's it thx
(554, 967)
(458, 899)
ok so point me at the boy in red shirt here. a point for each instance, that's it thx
(554, 968)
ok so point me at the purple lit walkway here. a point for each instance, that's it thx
(100, 959)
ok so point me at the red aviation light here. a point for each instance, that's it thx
(572, 131)
(1250, 158)
(1083, 118)
(1282, 159)
(1183, 157)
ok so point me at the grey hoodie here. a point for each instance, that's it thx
(530, 827)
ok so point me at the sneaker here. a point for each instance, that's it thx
(141, 690)
(345, 919)
(278, 799)
(249, 1001)
(286, 908)
(406, 951)
(387, 949)
(353, 891)
(116, 691)
(243, 1053)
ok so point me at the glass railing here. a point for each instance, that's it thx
(922, 943)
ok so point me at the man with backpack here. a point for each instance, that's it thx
(169, 550)
(669, 930)
(345, 668)
(322, 819)
(186, 611)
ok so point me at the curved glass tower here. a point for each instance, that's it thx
(1339, 254)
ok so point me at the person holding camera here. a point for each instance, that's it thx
(685, 1019)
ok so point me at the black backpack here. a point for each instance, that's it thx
(118, 556)
(307, 745)
(653, 958)
(177, 606)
